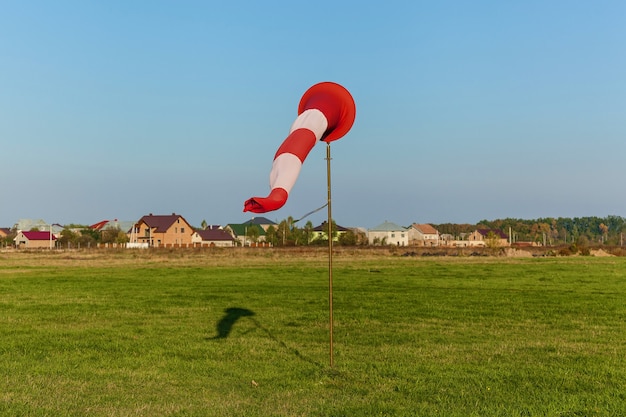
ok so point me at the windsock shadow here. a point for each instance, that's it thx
(226, 323)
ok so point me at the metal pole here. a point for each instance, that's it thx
(330, 255)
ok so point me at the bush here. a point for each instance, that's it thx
(565, 252)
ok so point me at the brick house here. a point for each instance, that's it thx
(35, 240)
(162, 230)
(478, 237)
(423, 235)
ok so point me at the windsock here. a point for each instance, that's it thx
(326, 113)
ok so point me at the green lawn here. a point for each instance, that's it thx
(178, 335)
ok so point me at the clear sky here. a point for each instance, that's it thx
(466, 110)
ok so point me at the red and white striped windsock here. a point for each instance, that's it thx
(326, 113)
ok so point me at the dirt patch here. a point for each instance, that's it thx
(599, 253)
(517, 253)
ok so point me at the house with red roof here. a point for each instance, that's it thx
(170, 230)
(213, 236)
(35, 240)
(423, 235)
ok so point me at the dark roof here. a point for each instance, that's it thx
(161, 222)
(496, 232)
(259, 221)
(338, 228)
(214, 234)
(38, 235)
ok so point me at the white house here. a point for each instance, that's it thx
(388, 233)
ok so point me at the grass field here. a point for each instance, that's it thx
(245, 333)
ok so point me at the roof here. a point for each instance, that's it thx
(426, 229)
(387, 227)
(496, 232)
(38, 235)
(240, 229)
(161, 223)
(259, 221)
(214, 234)
(322, 228)
(5, 231)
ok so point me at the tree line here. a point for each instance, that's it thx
(609, 230)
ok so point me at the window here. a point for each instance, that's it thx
(182, 230)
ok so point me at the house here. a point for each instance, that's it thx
(388, 233)
(212, 236)
(35, 240)
(38, 224)
(246, 234)
(480, 237)
(4, 232)
(261, 221)
(423, 235)
(162, 230)
(320, 232)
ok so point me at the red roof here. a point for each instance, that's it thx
(38, 235)
(214, 235)
(426, 229)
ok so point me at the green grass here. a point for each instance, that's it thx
(412, 337)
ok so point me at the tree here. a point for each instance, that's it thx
(348, 238)
(111, 235)
(604, 231)
(271, 235)
(307, 232)
(67, 237)
(252, 233)
(492, 242)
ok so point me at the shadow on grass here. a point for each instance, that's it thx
(225, 325)
(233, 314)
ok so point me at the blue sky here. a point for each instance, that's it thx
(465, 110)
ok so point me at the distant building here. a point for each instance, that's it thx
(37, 224)
(162, 230)
(261, 221)
(213, 236)
(246, 234)
(320, 231)
(423, 235)
(479, 236)
(35, 240)
(388, 233)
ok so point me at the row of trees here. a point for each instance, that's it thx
(287, 233)
(609, 230)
